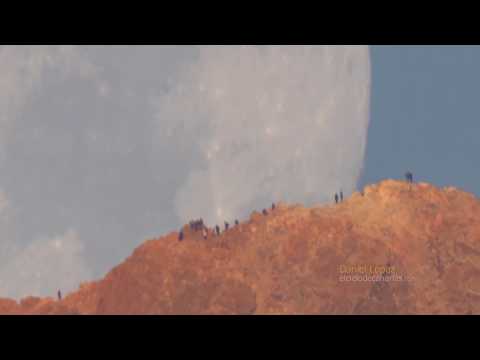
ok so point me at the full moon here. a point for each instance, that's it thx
(103, 147)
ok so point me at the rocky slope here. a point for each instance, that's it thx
(293, 261)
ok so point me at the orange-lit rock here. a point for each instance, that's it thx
(289, 262)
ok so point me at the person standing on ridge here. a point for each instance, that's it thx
(336, 198)
(217, 229)
(59, 295)
(409, 177)
(341, 196)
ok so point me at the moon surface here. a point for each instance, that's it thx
(103, 147)
(268, 123)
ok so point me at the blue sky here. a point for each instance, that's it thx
(424, 115)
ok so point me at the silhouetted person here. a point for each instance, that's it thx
(264, 212)
(236, 223)
(180, 236)
(217, 229)
(409, 176)
(226, 226)
(336, 198)
(341, 196)
(273, 206)
(59, 295)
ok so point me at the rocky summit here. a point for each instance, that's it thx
(394, 248)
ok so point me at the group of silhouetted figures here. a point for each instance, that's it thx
(198, 225)
(338, 198)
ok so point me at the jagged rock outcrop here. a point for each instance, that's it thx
(292, 261)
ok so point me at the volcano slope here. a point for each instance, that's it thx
(294, 261)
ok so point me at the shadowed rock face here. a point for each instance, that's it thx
(291, 262)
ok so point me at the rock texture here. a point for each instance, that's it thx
(290, 261)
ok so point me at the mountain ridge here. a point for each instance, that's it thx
(292, 261)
